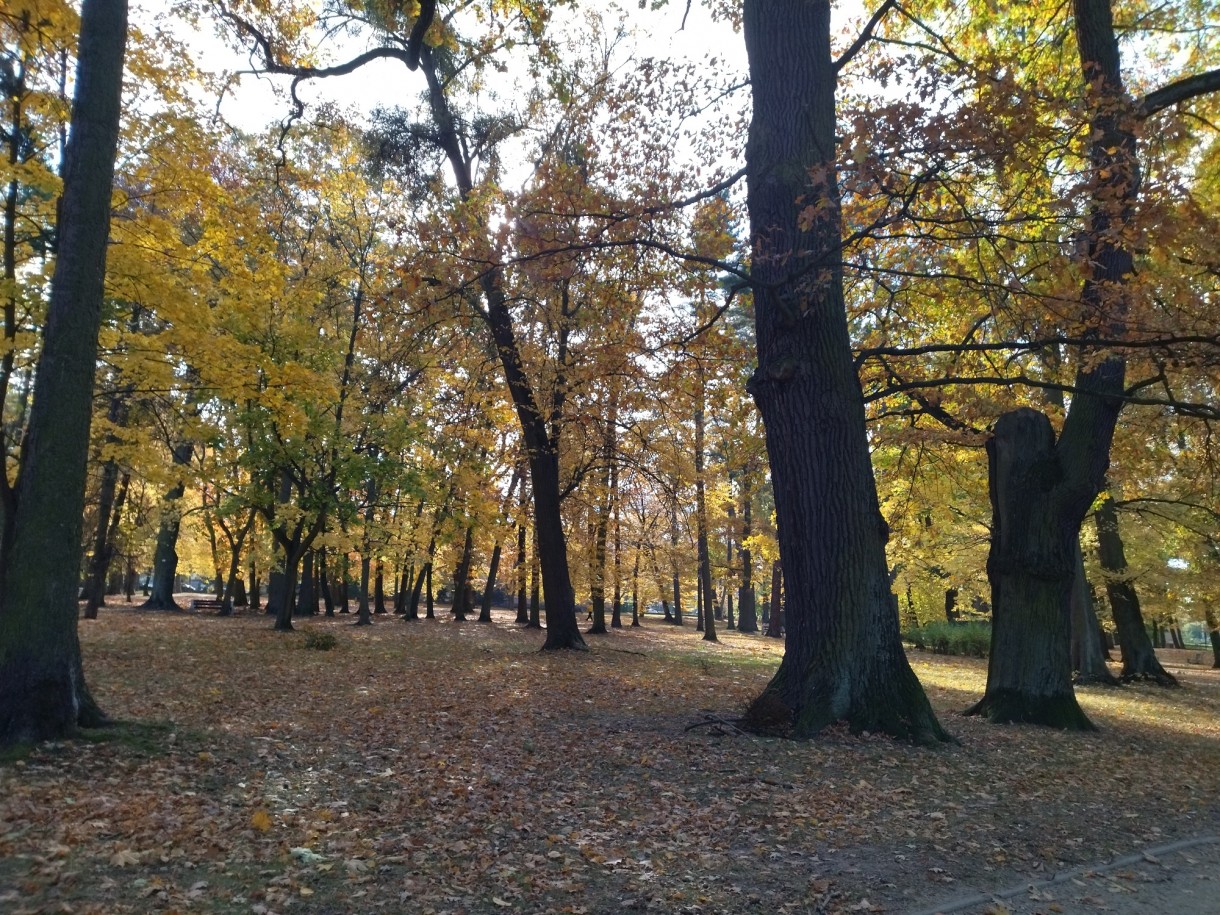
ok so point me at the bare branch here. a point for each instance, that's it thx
(864, 37)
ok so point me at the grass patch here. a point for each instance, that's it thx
(967, 640)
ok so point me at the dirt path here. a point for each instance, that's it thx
(1182, 878)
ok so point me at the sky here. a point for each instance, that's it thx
(254, 101)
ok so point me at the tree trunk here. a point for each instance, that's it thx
(522, 575)
(364, 616)
(635, 588)
(843, 658)
(677, 578)
(493, 570)
(775, 615)
(231, 596)
(256, 588)
(328, 597)
(165, 556)
(1213, 633)
(307, 599)
(1031, 566)
(747, 612)
(110, 513)
(535, 610)
(1088, 649)
(706, 595)
(1139, 656)
(43, 694)
(461, 579)
(379, 588)
(429, 599)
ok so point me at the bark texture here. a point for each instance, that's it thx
(1139, 656)
(42, 687)
(844, 659)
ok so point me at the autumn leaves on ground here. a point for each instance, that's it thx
(451, 767)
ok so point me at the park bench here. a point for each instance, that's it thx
(207, 603)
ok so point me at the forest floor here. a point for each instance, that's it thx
(441, 767)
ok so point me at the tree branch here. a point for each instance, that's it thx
(864, 37)
(1175, 93)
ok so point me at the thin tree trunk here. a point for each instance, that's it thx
(103, 546)
(1088, 649)
(705, 557)
(1139, 656)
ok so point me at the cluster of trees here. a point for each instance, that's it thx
(536, 319)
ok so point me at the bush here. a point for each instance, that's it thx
(319, 641)
(971, 640)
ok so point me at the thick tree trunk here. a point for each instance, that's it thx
(292, 564)
(42, 686)
(1139, 656)
(843, 658)
(165, 555)
(1088, 648)
(1031, 566)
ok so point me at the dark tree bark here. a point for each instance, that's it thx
(1088, 649)
(43, 694)
(843, 658)
(706, 596)
(535, 610)
(429, 597)
(328, 598)
(635, 587)
(307, 596)
(461, 607)
(1031, 566)
(256, 588)
(775, 613)
(1063, 478)
(412, 613)
(231, 597)
(1139, 656)
(379, 588)
(1213, 633)
(493, 569)
(521, 567)
(542, 447)
(165, 557)
(676, 619)
(747, 613)
(110, 513)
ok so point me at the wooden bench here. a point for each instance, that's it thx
(207, 603)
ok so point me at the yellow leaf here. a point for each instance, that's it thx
(261, 820)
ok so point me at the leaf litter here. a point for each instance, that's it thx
(452, 769)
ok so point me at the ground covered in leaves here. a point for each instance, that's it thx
(442, 767)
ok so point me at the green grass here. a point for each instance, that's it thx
(971, 640)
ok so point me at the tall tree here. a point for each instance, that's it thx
(42, 686)
(843, 658)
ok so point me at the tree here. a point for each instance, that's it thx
(843, 658)
(42, 686)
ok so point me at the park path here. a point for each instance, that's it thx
(1181, 878)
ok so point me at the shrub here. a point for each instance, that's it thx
(971, 640)
(319, 641)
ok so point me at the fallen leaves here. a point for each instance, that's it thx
(443, 768)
